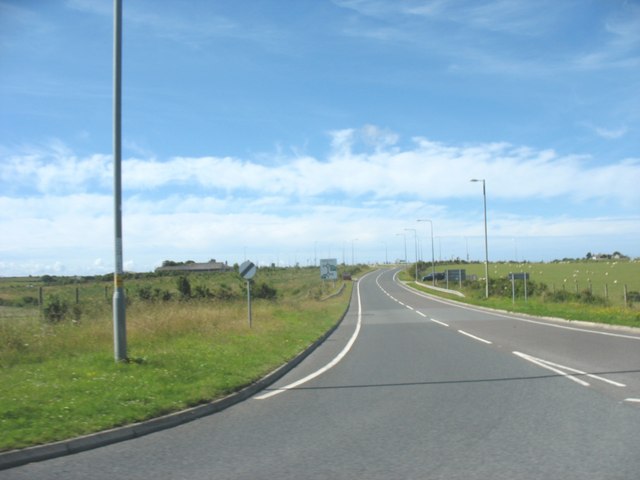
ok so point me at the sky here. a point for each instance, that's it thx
(287, 131)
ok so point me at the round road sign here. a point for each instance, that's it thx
(247, 270)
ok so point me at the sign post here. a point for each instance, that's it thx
(248, 271)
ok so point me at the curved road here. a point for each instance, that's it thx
(412, 387)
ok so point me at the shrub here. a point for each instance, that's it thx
(202, 292)
(265, 291)
(55, 309)
(184, 287)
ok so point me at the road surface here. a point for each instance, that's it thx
(411, 387)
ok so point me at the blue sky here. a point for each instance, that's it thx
(285, 131)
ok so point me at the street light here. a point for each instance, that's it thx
(119, 300)
(405, 244)
(433, 256)
(415, 234)
(352, 252)
(486, 245)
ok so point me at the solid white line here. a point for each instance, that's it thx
(574, 370)
(329, 365)
(543, 364)
(580, 372)
(474, 337)
(439, 322)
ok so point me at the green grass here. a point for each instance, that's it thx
(61, 381)
(598, 275)
(579, 275)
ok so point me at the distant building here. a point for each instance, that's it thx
(211, 266)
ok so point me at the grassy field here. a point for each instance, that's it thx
(60, 380)
(602, 277)
(579, 290)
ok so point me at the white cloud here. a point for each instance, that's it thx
(611, 134)
(370, 186)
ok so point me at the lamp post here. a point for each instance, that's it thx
(486, 245)
(433, 256)
(119, 301)
(415, 234)
(405, 244)
(353, 262)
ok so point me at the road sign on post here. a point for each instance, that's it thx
(329, 269)
(247, 271)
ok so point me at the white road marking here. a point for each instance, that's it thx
(519, 319)
(474, 337)
(632, 400)
(439, 322)
(580, 372)
(543, 364)
(409, 307)
(328, 366)
(550, 365)
(421, 314)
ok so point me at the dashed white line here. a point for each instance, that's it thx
(421, 314)
(632, 400)
(439, 322)
(409, 307)
(474, 337)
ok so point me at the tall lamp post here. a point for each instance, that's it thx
(486, 245)
(405, 244)
(433, 256)
(415, 234)
(119, 301)
(353, 261)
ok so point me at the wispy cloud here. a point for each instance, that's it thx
(370, 162)
(195, 28)
(611, 134)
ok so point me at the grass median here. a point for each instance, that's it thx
(60, 380)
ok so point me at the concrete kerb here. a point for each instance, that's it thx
(440, 289)
(15, 458)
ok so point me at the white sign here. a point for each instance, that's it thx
(247, 270)
(328, 269)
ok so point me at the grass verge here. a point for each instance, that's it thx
(610, 315)
(60, 381)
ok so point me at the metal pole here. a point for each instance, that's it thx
(433, 256)
(486, 244)
(119, 308)
(415, 235)
(249, 301)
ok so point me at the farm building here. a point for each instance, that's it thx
(211, 266)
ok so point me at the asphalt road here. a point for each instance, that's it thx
(413, 388)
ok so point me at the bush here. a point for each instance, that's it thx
(55, 309)
(265, 291)
(202, 292)
(184, 287)
(224, 292)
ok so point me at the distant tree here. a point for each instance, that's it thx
(589, 256)
(55, 309)
(184, 287)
